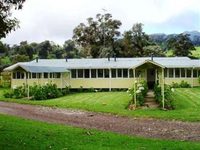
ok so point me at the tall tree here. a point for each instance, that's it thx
(70, 49)
(97, 33)
(181, 45)
(44, 49)
(6, 22)
(135, 40)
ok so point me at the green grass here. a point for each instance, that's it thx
(187, 102)
(196, 53)
(19, 134)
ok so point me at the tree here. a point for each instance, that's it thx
(6, 22)
(19, 58)
(156, 50)
(44, 49)
(97, 33)
(181, 45)
(135, 40)
(70, 49)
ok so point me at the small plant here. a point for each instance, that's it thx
(66, 90)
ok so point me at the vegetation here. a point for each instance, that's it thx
(182, 84)
(37, 92)
(6, 22)
(186, 102)
(140, 89)
(52, 136)
(168, 101)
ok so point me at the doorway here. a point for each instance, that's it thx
(151, 78)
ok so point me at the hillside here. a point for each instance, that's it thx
(161, 37)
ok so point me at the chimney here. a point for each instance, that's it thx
(151, 56)
(36, 59)
(108, 57)
(115, 57)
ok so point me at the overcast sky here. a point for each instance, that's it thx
(55, 20)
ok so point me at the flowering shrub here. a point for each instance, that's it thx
(183, 84)
(37, 92)
(169, 104)
(141, 91)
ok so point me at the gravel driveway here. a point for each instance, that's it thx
(150, 128)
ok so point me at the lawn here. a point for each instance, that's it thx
(17, 133)
(187, 102)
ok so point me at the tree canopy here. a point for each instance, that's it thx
(97, 33)
(6, 22)
(181, 45)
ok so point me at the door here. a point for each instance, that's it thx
(151, 77)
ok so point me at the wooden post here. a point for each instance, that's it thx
(192, 74)
(28, 95)
(163, 89)
(61, 76)
(135, 98)
(110, 82)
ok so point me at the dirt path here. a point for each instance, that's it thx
(152, 128)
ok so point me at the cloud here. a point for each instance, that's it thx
(55, 20)
(186, 21)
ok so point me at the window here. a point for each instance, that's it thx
(51, 75)
(100, 73)
(39, 75)
(93, 73)
(46, 75)
(18, 75)
(182, 73)
(57, 75)
(87, 73)
(106, 73)
(131, 73)
(171, 73)
(195, 73)
(119, 73)
(73, 73)
(34, 75)
(80, 73)
(113, 72)
(125, 73)
(189, 72)
(165, 73)
(138, 73)
(14, 75)
(177, 72)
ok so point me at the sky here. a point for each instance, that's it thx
(55, 20)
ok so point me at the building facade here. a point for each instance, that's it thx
(106, 73)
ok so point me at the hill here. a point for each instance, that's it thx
(162, 38)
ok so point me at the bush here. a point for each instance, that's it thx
(183, 84)
(66, 90)
(169, 104)
(48, 91)
(17, 93)
(141, 91)
(37, 92)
